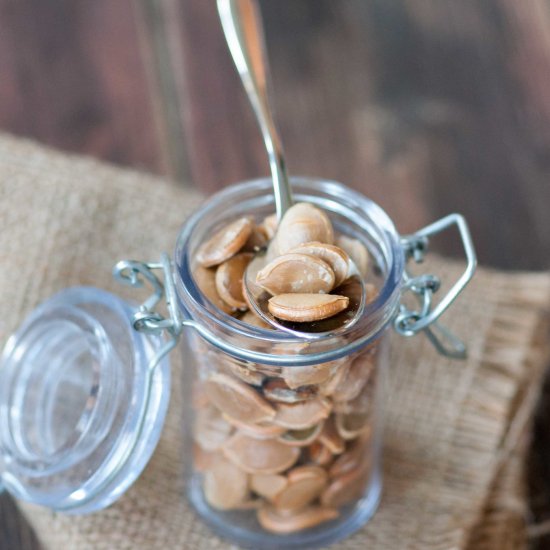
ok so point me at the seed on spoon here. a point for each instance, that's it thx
(306, 308)
(303, 223)
(260, 456)
(357, 251)
(225, 485)
(332, 255)
(225, 243)
(268, 485)
(206, 281)
(281, 522)
(304, 415)
(305, 484)
(296, 273)
(237, 400)
(229, 280)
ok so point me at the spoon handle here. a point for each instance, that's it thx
(242, 28)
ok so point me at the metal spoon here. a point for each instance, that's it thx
(242, 28)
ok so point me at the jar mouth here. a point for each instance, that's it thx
(351, 213)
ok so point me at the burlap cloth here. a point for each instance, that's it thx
(456, 432)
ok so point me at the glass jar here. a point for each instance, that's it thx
(283, 434)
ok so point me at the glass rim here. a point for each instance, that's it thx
(383, 307)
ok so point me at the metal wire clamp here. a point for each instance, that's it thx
(147, 319)
(409, 322)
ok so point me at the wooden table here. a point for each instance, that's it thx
(426, 106)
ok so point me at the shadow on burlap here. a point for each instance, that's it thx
(456, 431)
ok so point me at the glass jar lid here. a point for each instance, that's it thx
(82, 402)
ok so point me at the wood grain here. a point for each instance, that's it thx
(73, 78)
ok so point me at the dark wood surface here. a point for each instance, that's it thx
(427, 106)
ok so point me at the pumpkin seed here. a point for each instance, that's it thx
(205, 278)
(311, 375)
(351, 425)
(303, 223)
(268, 486)
(320, 454)
(346, 487)
(304, 415)
(357, 251)
(334, 256)
(277, 521)
(356, 453)
(229, 280)
(277, 389)
(242, 372)
(301, 438)
(210, 429)
(306, 308)
(225, 243)
(354, 379)
(305, 484)
(260, 430)
(296, 273)
(257, 456)
(237, 400)
(202, 460)
(331, 439)
(269, 225)
(252, 319)
(225, 485)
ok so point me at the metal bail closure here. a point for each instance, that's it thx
(410, 322)
(146, 319)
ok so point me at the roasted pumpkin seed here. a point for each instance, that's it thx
(306, 308)
(237, 400)
(304, 415)
(277, 521)
(303, 223)
(296, 273)
(357, 251)
(305, 484)
(225, 243)
(331, 254)
(206, 281)
(257, 456)
(229, 280)
(268, 486)
(225, 485)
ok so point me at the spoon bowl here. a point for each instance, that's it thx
(353, 288)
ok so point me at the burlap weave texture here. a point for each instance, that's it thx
(455, 431)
